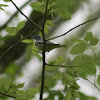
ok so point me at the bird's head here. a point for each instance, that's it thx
(36, 38)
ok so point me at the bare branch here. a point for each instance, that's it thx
(43, 53)
(74, 28)
(26, 16)
(7, 95)
(14, 15)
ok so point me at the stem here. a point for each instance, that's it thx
(16, 43)
(6, 92)
(74, 28)
(14, 15)
(93, 52)
(43, 54)
(93, 84)
(7, 95)
(26, 16)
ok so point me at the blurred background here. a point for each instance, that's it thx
(21, 64)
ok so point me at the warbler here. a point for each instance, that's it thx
(49, 45)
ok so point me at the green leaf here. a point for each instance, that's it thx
(92, 98)
(31, 92)
(79, 48)
(68, 95)
(60, 96)
(77, 40)
(94, 41)
(2, 9)
(38, 6)
(82, 60)
(60, 60)
(21, 95)
(89, 38)
(83, 96)
(11, 30)
(6, 0)
(27, 41)
(20, 25)
(63, 14)
(20, 92)
(11, 70)
(20, 85)
(98, 79)
(50, 81)
(34, 49)
(85, 66)
(3, 5)
(50, 22)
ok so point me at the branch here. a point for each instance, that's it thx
(17, 43)
(14, 15)
(6, 91)
(74, 28)
(9, 48)
(43, 55)
(93, 84)
(26, 16)
(7, 95)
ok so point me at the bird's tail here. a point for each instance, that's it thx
(57, 45)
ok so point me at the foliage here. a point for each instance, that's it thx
(58, 69)
(14, 30)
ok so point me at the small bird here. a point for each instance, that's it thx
(49, 45)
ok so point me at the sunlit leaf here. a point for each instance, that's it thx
(3, 5)
(50, 22)
(11, 30)
(82, 60)
(91, 39)
(94, 41)
(92, 98)
(20, 85)
(20, 25)
(6, 0)
(38, 6)
(68, 95)
(78, 48)
(27, 41)
(83, 96)
(88, 36)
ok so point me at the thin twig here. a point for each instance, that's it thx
(17, 43)
(6, 91)
(9, 48)
(73, 28)
(7, 95)
(26, 16)
(93, 84)
(43, 55)
(14, 15)
(48, 89)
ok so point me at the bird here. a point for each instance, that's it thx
(38, 41)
